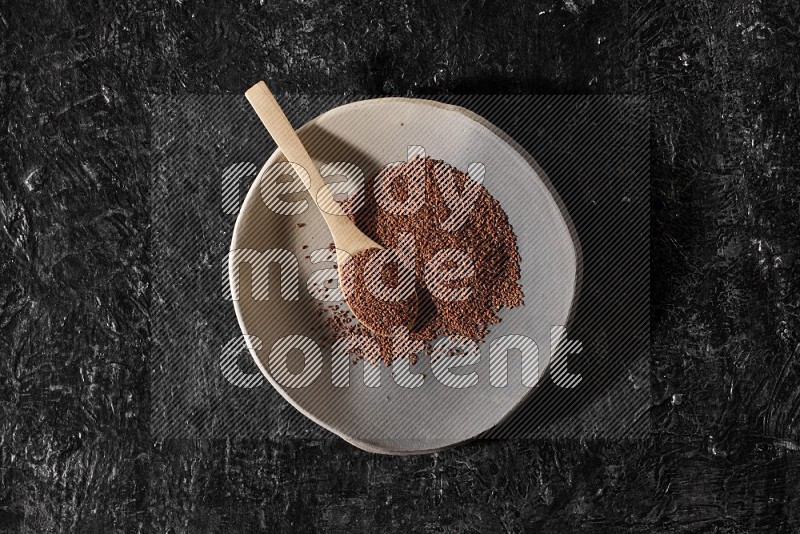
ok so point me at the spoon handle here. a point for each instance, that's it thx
(279, 127)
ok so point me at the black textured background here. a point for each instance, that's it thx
(722, 78)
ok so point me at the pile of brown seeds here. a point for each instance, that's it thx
(467, 265)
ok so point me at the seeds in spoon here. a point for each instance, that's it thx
(378, 285)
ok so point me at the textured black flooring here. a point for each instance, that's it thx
(75, 449)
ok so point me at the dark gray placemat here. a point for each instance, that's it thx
(206, 151)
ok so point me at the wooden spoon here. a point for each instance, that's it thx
(348, 239)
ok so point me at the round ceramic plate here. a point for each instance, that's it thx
(371, 408)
